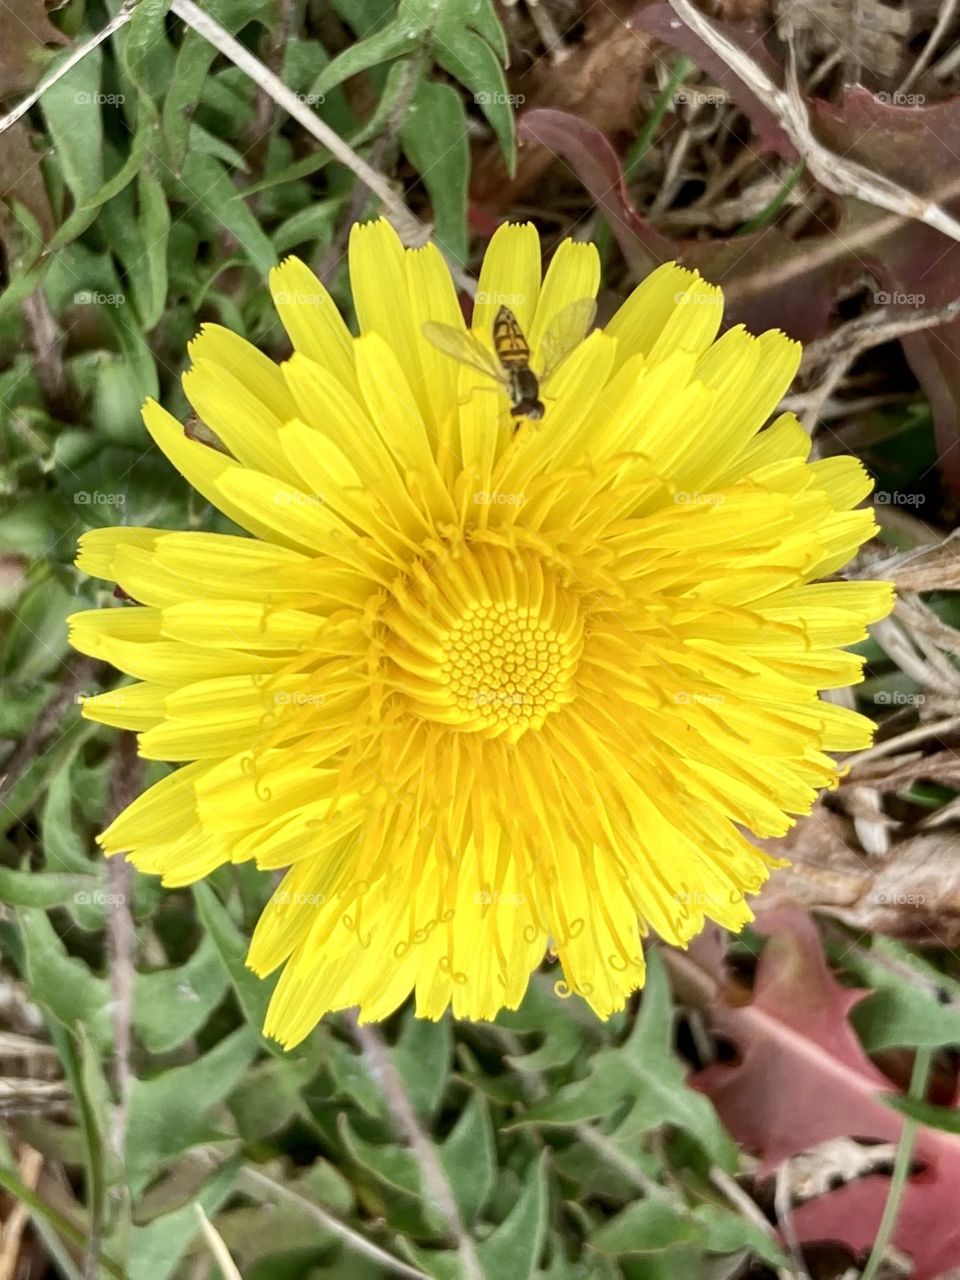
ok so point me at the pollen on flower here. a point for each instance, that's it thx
(490, 644)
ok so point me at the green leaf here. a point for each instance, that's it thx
(645, 1072)
(74, 120)
(42, 889)
(725, 1231)
(928, 1113)
(422, 1057)
(389, 42)
(208, 185)
(61, 983)
(170, 1005)
(150, 292)
(646, 1226)
(171, 1112)
(85, 213)
(514, 1247)
(63, 847)
(434, 137)
(252, 992)
(473, 63)
(314, 223)
(270, 1096)
(904, 1016)
(156, 1249)
(469, 1158)
(146, 51)
(474, 15)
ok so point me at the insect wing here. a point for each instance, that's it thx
(567, 328)
(463, 346)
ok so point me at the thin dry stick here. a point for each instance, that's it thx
(729, 1187)
(892, 745)
(409, 227)
(947, 11)
(124, 786)
(870, 331)
(259, 1185)
(434, 1177)
(220, 1252)
(841, 348)
(845, 177)
(123, 16)
(11, 1231)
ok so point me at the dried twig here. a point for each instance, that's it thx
(839, 350)
(220, 1252)
(834, 172)
(11, 1231)
(434, 1177)
(892, 745)
(260, 1186)
(125, 784)
(946, 15)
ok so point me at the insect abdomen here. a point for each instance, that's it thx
(508, 340)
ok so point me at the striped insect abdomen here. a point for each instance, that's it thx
(508, 340)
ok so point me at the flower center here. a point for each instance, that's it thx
(486, 642)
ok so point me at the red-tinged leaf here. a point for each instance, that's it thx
(750, 268)
(662, 21)
(592, 158)
(927, 1226)
(803, 1078)
(916, 146)
(772, 282)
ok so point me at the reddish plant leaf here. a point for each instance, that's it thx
(916, 146)
(26, 36)
(750, 268)
(803, 1078)
(590, 155)
(662, 21)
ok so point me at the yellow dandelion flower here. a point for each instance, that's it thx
(484, 691)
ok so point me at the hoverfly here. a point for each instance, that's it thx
(508, 364)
